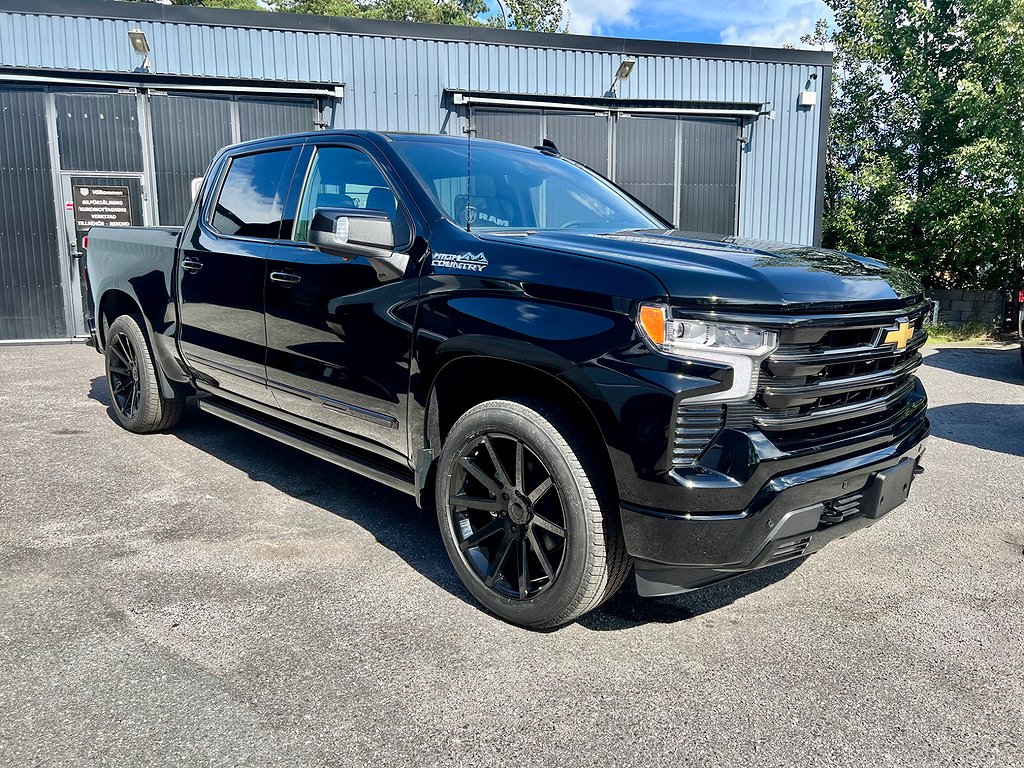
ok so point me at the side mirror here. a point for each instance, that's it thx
(194, 186)
(353, 232)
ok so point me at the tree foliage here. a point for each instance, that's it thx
(926, 148)
(534, 15)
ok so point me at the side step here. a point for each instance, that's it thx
(367, 467)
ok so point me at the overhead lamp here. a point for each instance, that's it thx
(625, 69)
(141, 46)
(623, 72)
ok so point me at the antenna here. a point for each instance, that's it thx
(469, 135)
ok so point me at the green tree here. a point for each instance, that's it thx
(978, 208)
(925, 142)
(535, 15)
(238, 5)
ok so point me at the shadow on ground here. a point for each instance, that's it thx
(990, 426)
(995, 364)
(394, 520)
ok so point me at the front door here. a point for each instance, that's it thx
(95, 200)
(339, 329)
(222, 269)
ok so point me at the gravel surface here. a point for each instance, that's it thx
(209, 597)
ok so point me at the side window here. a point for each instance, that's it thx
(344, 177)
(250, 200)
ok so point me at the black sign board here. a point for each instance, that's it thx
(101, 207)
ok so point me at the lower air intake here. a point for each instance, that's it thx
(696, 427)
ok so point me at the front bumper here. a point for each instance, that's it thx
(792, 514)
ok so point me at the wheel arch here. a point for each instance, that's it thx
(466, 380)
(116, 302)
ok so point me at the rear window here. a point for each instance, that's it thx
(251, 198)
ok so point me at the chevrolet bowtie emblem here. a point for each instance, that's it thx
(899, 336)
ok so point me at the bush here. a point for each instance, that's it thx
(972, 330)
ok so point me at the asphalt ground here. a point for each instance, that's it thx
(209, 597)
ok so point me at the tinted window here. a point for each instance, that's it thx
(251, 197)
(343, 177)
(518, 189)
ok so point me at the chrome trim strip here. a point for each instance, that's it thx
(825, 415)
(848, 384)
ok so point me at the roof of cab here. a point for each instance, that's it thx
(389, 136)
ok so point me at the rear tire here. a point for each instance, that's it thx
(135, 395)
(525, 516)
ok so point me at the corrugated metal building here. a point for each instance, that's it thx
(716, 138)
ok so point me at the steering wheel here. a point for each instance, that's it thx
(575, 223)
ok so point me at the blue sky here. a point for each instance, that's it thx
(753, 22)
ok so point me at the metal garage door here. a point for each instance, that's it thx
(581, 136)
(646, 162)
(685, 168)
(709, 154)
(32, 291)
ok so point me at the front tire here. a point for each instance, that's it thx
(525, 517)
(135, 395)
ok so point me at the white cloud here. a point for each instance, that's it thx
(588, 17)
(797, 20)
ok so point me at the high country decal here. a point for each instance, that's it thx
(469, 262)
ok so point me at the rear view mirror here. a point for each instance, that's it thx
(195, 185)
(352, 231)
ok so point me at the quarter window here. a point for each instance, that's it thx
(251, 198)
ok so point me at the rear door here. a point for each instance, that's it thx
(222, 271)
(339, 329)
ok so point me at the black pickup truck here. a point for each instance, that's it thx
(578, 390)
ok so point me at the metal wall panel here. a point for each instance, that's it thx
(31, 287)
(259, 117)
(514, 126)
(99, 131)
(707, 191)
(645, 161)
(583, 138)
(399, 84)
(187, 132)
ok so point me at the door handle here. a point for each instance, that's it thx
(191, 265)
(288, 278)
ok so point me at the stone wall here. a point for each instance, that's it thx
(959, 306)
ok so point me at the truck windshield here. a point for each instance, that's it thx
(513, 189)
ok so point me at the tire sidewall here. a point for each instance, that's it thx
(578, 561)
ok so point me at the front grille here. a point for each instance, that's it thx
(828, 380)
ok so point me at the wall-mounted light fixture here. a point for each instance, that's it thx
(622, 73)
(141, 46)
(808, 97)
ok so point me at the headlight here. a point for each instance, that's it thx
(738, 346)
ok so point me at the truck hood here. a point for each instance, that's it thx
(737, 271)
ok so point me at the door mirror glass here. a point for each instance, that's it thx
(352, 232)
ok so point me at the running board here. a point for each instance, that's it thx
(367, 467)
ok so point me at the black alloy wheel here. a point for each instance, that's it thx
(137, 402)
(507, 516)
(527, 510)
(123, 373)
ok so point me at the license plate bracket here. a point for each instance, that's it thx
(889, 489)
